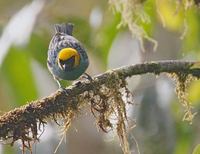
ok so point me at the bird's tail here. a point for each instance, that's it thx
(66, 28)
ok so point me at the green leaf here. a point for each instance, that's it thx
(192, 37)
(8, 149)
(151, 13)
(38, 46)
(196, 149)
(104, 38)
(16, 69)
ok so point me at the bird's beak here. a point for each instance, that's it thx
(61, 64)
(67, 64)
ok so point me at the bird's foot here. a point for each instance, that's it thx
(87, 76)
(64, 90)
(61, 88)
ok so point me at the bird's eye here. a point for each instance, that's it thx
(68, 57)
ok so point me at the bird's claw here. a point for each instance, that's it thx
(66, 91)
(87, 76)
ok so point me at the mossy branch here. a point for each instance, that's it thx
(23, 122)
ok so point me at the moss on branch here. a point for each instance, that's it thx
(102, 94)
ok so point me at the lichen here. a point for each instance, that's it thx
(131, 12)
(182, 82)
(112, 103)
(105, 102)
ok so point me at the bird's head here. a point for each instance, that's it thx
(68, 58)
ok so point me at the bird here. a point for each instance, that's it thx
(67, 58)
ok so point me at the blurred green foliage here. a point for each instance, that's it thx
(105, 37)
(18, 72)
(38, 40)
(196, 150)
(172, 16)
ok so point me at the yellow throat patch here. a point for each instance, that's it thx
(67, 53)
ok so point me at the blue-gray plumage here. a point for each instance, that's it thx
(73, 60)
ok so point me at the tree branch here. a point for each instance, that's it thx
(19, 122)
